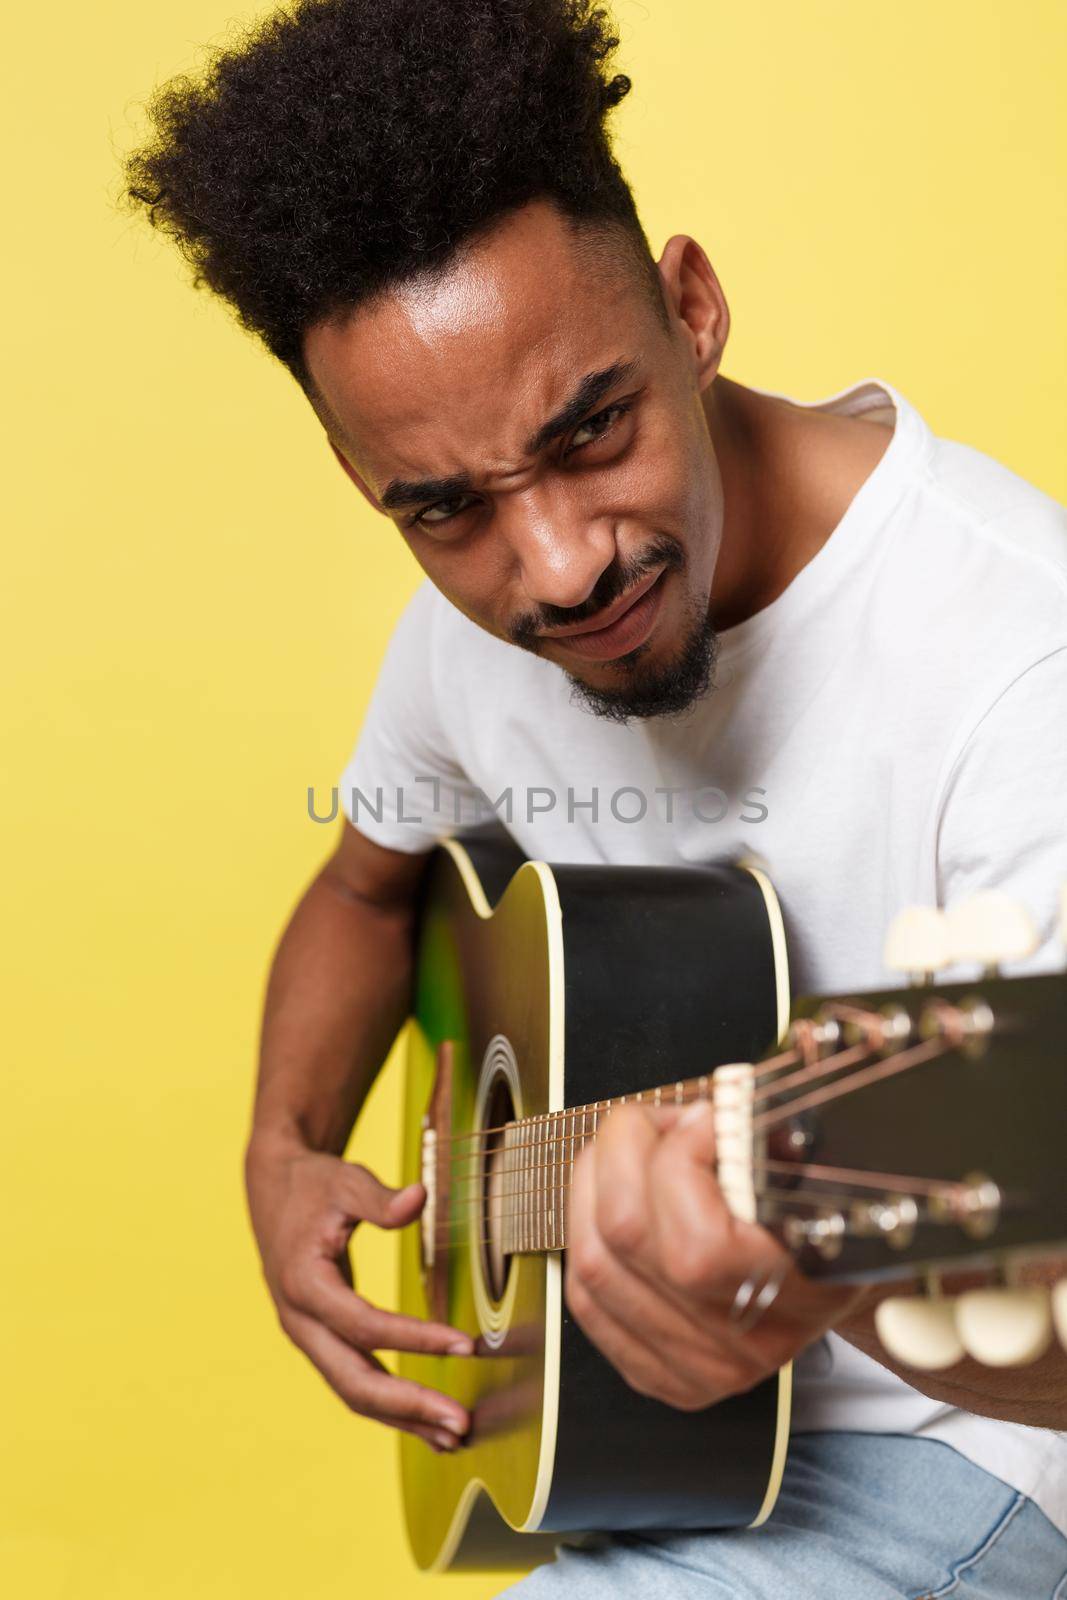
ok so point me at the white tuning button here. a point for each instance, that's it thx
(990, 928)
(1059, 1310)
(919, 1331)
(917, 941)
(1005, 1327)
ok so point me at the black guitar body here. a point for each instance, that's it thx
(623, 1460)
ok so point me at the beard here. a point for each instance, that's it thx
(662, 690)
(649, 690)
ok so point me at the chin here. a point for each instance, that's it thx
(653, 683)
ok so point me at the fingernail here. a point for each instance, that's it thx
(694, 1113)
(460, 1347)
(453, 1424)
(443, 1443)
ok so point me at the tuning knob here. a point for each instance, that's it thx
(920, 1331)
(1059, 1310)
(990, 928)
(917, 941)
(1005, 1327)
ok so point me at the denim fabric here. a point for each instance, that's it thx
(861, 1516)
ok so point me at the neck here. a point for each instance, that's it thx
(757, 554)
(788, 475)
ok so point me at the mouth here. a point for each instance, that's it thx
(619, 628)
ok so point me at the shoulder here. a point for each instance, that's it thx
(975, 568)
(998, 520)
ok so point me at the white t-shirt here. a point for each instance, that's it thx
(891, 729)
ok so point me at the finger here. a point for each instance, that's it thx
(599, 1279)
(650, 1371)
(323, 1292)
(366, 1387)
(703, 1251)
(619, 1173)
(689, 1338)
(635, 1292)
(364, 1198)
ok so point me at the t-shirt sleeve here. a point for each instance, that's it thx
(403, 786)
(1003, 817)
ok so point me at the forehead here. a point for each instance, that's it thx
(454, 371)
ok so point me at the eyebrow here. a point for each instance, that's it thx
(593, 387)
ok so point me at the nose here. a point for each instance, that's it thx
(561, 550)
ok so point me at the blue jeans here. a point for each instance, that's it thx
(861, 1516)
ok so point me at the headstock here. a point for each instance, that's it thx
(918, 1131)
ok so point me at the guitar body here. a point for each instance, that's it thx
(541, 988)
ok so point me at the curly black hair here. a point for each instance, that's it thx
(344, 146)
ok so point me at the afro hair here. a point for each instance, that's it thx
(343, 146)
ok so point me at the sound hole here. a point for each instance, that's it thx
(499, 1109)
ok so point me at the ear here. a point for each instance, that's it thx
(695, 296)
(354, 475)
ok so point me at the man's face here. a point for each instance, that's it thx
(539, 438)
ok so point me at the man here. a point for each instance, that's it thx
(677, 618)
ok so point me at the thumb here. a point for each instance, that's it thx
(370, 1200)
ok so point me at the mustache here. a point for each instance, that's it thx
(614, 582)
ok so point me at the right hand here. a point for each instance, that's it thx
(304, 1207)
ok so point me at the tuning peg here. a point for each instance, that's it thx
(1005, 1327)
(917, 941)
(990, 928)
(1059, 1310)
(920, 1331)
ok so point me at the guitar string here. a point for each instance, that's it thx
(903, 1060)
(872, 1024)
(906, 1059)
(454, 1238)
(813, 1171)
(666, 1091)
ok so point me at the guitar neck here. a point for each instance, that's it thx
(807, 1139)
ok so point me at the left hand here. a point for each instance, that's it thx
(655, 1259)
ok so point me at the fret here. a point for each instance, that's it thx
(550, 1179)
(550, 1182)
(524, 1198)
(532, 1185)
(543, 1173)
(568, 1168)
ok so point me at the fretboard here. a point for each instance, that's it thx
(539, 1155)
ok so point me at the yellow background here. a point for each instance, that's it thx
(195, 600)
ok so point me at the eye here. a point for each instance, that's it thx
(440, 512)
(598, 425)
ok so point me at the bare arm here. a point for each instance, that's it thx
(339, 990)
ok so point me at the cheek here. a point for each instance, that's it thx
(667, 477)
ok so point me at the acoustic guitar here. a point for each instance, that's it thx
(879, 1134)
